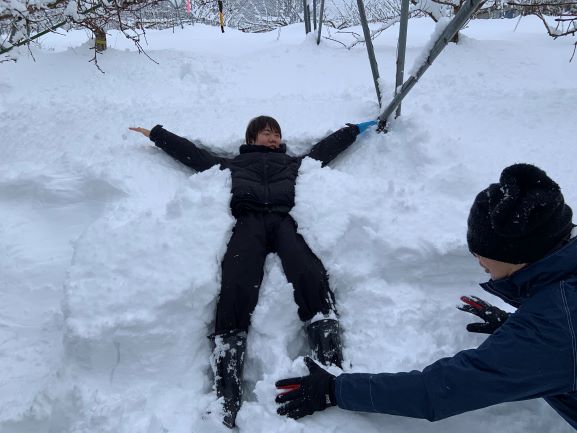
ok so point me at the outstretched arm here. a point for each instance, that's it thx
(513, 364)
(330, 147)
(181, 149)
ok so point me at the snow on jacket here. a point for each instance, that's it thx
(533, 354)
(263, 178)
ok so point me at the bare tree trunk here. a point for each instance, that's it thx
(455, 39)
(99, 40)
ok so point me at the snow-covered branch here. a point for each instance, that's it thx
(566, 12)
(22, 21)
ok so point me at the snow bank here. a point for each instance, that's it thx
(111, 250)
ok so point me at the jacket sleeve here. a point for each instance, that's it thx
(184, 150)
(519, 362)
(330, 147)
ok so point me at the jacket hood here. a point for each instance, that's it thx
(558, 265)
(249, 148)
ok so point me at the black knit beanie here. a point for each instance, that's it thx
(521, 218)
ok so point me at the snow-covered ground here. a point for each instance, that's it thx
(110, 250)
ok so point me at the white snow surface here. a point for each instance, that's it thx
(110, 250)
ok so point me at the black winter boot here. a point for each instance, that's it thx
(227, 362)
(325, 341)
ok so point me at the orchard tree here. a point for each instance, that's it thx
(21, 21)
(558, 16)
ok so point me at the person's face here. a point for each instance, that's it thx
(498, 269)
(267, 137)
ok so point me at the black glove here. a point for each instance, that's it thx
(302, 396)
(494, 317)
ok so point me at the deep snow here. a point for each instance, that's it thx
(110, 250)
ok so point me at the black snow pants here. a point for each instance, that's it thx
(255, 235)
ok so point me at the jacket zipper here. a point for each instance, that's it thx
(266, 189)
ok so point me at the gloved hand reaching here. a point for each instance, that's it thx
(494, 317)
(305, 395)
(363, 126)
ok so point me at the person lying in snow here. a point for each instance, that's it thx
(521, 232)
(263, 193)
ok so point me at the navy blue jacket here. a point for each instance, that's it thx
(533, 354)
(263, 179)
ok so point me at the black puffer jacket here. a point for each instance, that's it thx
(263, 179)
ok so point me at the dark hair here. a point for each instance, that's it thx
(258, 124)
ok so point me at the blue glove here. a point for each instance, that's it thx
(365, 125)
